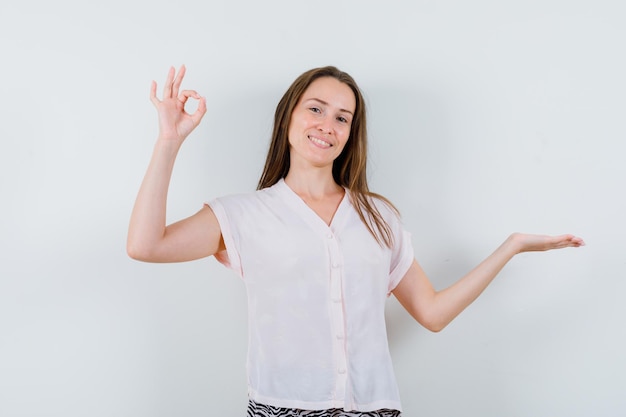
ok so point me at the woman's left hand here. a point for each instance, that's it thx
(531, 243)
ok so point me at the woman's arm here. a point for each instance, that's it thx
(436, 309)
(148, 237)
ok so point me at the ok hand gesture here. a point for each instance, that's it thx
(174, 122)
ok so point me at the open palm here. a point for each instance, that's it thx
(531, 243)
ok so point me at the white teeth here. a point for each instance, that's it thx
(319, 141)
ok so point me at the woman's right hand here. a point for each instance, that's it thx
(174, 122)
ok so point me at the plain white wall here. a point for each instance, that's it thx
(485, 117)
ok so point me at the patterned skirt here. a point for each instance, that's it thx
(260, 410)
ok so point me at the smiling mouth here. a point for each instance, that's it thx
(319, 142)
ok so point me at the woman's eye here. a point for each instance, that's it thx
(315, 110)
(342, 119)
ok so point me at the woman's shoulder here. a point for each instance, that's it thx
(246, 199)
(381, 203)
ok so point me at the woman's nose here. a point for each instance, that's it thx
(324, 126)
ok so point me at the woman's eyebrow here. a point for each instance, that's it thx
(326, 104)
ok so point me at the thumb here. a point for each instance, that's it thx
(200, 111)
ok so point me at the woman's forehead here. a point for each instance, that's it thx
(331, 91)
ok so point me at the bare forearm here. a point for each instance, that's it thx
(147, 222)
(436, 309)
(450, 302)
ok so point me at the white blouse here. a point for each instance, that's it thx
(316, 299)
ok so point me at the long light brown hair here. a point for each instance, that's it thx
(349, 169)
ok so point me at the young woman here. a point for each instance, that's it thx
(319, 253)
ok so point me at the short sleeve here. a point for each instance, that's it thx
(401, 258)
(402, 254)
(231, 256)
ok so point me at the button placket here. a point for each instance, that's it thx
(337, 316)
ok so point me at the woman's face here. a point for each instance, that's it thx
(320, 123)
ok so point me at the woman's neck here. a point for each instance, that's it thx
(313, 183)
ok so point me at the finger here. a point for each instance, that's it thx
(569, 241)
(559, 242)
(576, 241)
(153, 97)
(167, 88)
(200, 111)
(185, 94)
(178, 81)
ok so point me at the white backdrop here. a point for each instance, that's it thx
(485, 117)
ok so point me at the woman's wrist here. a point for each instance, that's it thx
(513, 244)
(168, 143)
